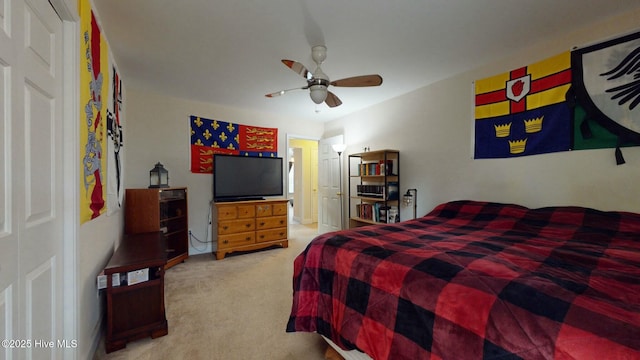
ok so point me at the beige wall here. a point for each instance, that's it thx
(157, 129)
(96, 242)
(433, 129)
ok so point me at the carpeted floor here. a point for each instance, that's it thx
(236, 308)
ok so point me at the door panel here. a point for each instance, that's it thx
(41, 235)
(39, 152)
(329, 186)
(31, 200)
(40, 315)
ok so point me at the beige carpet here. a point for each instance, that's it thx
(236, 308)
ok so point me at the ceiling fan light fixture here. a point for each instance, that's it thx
(318, 82)
(318, 93)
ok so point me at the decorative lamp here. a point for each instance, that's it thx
(158, 177)
(339, 148)
(318, 93)
(411, 197)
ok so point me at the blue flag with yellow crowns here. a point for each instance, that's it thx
(210, 137)
(524, 111)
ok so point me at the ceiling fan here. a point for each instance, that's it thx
(318, 81)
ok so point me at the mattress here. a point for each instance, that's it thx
(477, 280)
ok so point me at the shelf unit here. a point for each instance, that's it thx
(374, 187)
(136, 310)
(160, 209)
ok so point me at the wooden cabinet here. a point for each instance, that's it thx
(165, 210)
(374, 187)
(250, 225)
(135, 295)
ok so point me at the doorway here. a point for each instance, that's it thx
(302, 180)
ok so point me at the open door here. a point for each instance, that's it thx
(329, 180)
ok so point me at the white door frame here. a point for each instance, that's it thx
(68, 12)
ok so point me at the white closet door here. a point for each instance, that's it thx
(31, 213)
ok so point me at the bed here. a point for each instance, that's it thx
(477, 280)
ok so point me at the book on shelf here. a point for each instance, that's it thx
(374, 191)
(380, 167)
(368, 211)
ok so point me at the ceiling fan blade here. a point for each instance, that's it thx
(282, 92)
(298, 68)
(332, 100)
(359, 81)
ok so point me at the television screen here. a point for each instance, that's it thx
(246, 178)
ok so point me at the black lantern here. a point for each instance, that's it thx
(158, 177)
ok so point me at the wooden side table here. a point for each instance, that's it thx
(135, 307)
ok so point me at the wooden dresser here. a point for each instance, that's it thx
(250, 225)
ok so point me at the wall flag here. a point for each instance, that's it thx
(210, 137)
(524, 111)
(115, 143)
(94, 82)
(606, 86)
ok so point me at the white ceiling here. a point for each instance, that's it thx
(228, 52)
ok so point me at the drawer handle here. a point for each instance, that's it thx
(225, 242)
(261, 236)
(225, 227)
(262, 223)
(281, 234)
(247, 225)
(248, 238)
(281, 221)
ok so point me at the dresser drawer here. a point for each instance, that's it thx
(230, 212)
(236, 226)
(226, 241)
(246, 211)
(271, 222)
(280, 208)
(264, 210)
(271, 234)
(227, 212)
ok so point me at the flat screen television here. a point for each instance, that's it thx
(246, 177)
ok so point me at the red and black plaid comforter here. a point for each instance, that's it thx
(475, 280)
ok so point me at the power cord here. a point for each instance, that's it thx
(206, 233)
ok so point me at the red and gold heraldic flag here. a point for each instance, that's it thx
(210, 137)
(524, 111)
